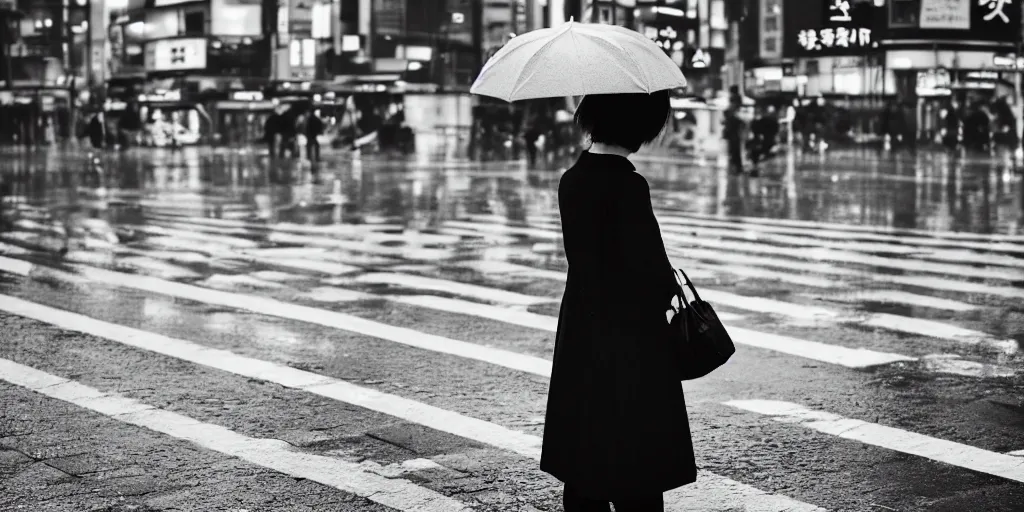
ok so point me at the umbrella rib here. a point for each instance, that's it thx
(640, 69)
(521, 82)
(647, 78)
(576, 47)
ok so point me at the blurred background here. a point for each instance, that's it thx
(397, 72)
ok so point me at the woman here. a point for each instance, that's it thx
(616, 428)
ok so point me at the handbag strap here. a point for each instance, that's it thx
(689, 284)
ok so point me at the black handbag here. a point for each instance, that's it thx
(699, 339)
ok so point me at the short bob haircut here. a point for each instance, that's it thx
(626, 120)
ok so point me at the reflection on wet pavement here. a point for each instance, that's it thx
(903, 243)
(929, 191)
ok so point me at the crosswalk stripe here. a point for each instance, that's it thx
(899, 297)
(843, 356)
(198, 236)
(504, 267)
(509, 316)
(276, 308)
(350, 477)
(789, 241)
(308, 265)
(285, 227)
(949, 452)
(373, 235)
(898, 323)
(760, 273)
(710, 489)
(505, 229)
(881, 320)
(950, 235)
(757, 304)
(446, 286)
(683, 240)
(411, 253)
(231, 282)
(930, 282)
(907, 242)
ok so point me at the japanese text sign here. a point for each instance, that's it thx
(946, 14)
(839, 37)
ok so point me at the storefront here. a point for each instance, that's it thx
(34, 115)
(172, 118)
(239, 119)
(949, 57)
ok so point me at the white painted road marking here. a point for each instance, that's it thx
(949, 235)
(710, 492)
(276, 308)
(931, 282)
(949, 452)
(269, 453)
(453, 287)
(683, 240)
(899, 297)
(916, 247)
(848, 357)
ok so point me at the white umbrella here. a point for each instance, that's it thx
(577, 59)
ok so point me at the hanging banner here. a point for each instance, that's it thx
(946, 14)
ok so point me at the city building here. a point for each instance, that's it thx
(870, 56)
(42, 67)
(221, 67)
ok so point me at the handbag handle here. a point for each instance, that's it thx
(682, 295)
(689, 284)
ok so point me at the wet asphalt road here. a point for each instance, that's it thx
(220, 332)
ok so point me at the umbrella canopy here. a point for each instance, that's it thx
(577, 59)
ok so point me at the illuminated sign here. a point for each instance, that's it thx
(176, 54)
(700, 59)
(995, 10)
(1008, 61)
(933, 82)
(839, 11)
(247, 96)
(171, 95)
(946, 14)
(666, 37)
(839, 37)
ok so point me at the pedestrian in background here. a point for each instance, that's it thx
(733, 130)
(270, 132)
(314, 128)
(97, 130)
(129, 125)
(951, 127)
(765, 130)
(616, 428)
(978, 129)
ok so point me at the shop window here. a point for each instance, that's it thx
(904, 13)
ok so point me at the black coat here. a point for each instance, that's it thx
(616, 423)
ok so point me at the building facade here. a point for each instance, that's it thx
(42, 67)
(872, 55)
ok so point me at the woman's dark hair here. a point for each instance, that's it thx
(627, 120)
